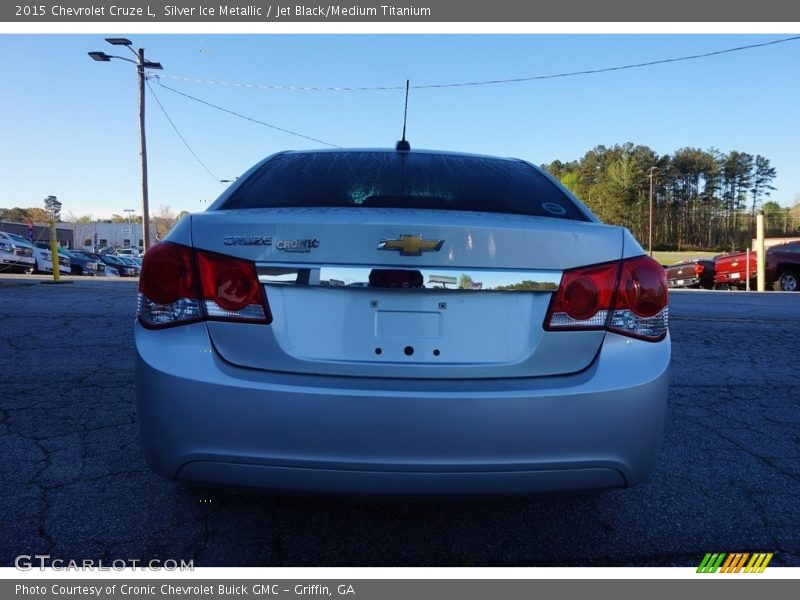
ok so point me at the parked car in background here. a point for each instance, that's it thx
(127, 252)
(43, 258)
(14, 255)
(106, 267)
(82, 265)
(123, 268)
(544, 369)
(64, 261)
(131, 264)
(693, 273)
(781, 268)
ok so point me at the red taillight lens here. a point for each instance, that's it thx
(627, 297)
(180, 285)
(230, 288)
(698, 269)
(643, 287)
(583, 298)
(640, 310)
(167, 273)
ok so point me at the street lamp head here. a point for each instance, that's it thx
(100, 56)
(152, 65)
(119, 41)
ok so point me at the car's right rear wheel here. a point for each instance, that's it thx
(787, 282)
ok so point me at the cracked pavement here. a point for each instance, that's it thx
(75, 485)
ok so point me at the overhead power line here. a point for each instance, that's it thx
(188, 147)
(485, 82)
(231, 112)
(617, 68)
(285, 88)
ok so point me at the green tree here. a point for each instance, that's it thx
(776, 218)
(15, 215)
(53, 208)
(737, 170)
(164, 220)
(38, 215)
(762, 177)
(794, 215)
(526, 285)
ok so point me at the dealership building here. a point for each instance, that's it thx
(84, 235)
(113, 235)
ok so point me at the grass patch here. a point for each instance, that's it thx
(670, 258)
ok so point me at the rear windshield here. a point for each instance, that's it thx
(403, 180)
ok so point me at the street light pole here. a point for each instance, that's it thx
(131, 230)
(141, 64)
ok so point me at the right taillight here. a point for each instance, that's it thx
(698, 269)
(180, 285)
(627, 297)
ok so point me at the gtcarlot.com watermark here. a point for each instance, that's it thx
(27, 562)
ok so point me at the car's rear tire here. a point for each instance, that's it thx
(787, 282)
(722, 286)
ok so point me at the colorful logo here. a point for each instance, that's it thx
(735, 562)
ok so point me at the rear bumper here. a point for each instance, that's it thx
(205, 421)
(684, 282)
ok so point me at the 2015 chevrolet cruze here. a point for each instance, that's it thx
(407, 322)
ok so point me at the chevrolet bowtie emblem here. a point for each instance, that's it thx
(411, 245)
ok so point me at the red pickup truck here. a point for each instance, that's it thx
(782, 268)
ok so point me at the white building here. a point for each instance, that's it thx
(114, 235)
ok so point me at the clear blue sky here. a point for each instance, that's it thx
(69, 124)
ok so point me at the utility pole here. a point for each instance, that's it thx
(143, 152)
(141, 65)
(650, 228)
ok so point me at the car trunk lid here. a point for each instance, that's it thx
(374, 292)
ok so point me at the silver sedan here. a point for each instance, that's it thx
(401, 322)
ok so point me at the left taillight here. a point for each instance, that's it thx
(583, 299)
(180, 285)
(641, 306)
(627, 297)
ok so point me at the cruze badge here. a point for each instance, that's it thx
(411, 245)
(297, 245)
(247, 240)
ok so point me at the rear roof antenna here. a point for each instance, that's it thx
(403, 145)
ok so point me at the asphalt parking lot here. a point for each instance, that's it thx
(75, 486)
